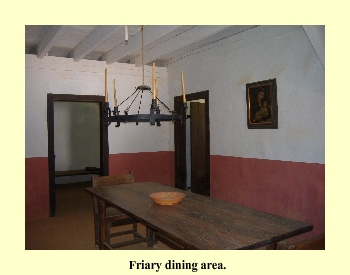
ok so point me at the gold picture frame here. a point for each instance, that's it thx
(262, 105)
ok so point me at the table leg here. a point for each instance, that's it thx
(151, 241)
(102, 222)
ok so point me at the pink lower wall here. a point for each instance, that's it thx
(36, 188)
(290, 189)
(154, 166)
(147, 166)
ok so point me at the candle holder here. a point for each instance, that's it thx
(116, 113)
(107, 113)
(183, 113)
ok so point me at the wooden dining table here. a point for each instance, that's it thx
(197, 222)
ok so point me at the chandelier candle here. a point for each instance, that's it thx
(153, 79)
(183, 88)
(106, 93)
(156, 91)
(115, 94)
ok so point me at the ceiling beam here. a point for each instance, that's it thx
(50, 37)
(151, 33)
(180, 41)
(100, 34)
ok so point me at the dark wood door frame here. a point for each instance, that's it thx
(197, 138)
(104, 151)
(180, 142)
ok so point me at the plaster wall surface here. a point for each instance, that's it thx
(64, 76)
(226, 68)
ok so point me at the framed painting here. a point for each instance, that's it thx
(262, 106)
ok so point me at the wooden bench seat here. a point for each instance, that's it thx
(76, 173)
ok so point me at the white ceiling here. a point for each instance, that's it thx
(162, 44)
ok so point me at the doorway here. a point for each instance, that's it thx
(192, 144)
(103, 138)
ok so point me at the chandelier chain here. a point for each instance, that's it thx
(140, 102)
(127, 99)
(127, 109)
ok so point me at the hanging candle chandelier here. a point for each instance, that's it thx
(154, 116)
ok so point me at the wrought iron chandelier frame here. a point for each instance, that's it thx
(154, 116)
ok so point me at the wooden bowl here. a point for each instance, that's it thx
(167, 198)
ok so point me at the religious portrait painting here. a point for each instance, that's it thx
(262, 110)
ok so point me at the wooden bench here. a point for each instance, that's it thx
(314, 243)
(77, 172)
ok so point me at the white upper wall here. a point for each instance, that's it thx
(64, 76)
(226, 67)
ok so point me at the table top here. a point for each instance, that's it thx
(199, 222)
